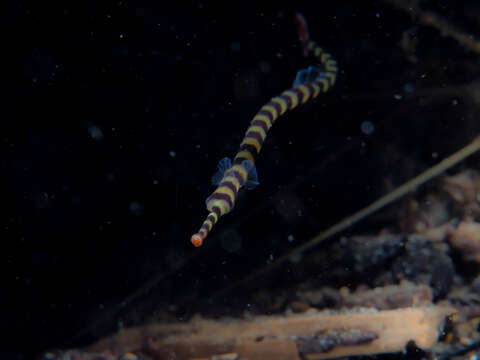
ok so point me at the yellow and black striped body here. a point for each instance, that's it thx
(223, 198)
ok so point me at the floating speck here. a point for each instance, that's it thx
(377, 15)
(409, 88)
(235, 46)
(290, 238)
(121, 36)
(136, 208)
(265, 67)
(172, 153)
(398, 97)
(434, 155)
(367, 127)
(95, 132)
(455, 102)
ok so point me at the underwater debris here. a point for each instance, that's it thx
(464, 188)
(466, 239)
(430, 18)
(388, 297)
(326, 334)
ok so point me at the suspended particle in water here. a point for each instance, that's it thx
(290, 238)
(265, 67)
(235, 46)
(136, 208)
(409, 88)
(367, 127)
(95, 132)
(49, 356)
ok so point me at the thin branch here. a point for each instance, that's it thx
(429, 18)
(348, 221)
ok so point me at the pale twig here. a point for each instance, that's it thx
(429, 18)
(348, 221)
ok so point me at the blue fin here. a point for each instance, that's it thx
(223, 165)
(226, 163)
(307, 75)
(252, 178)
